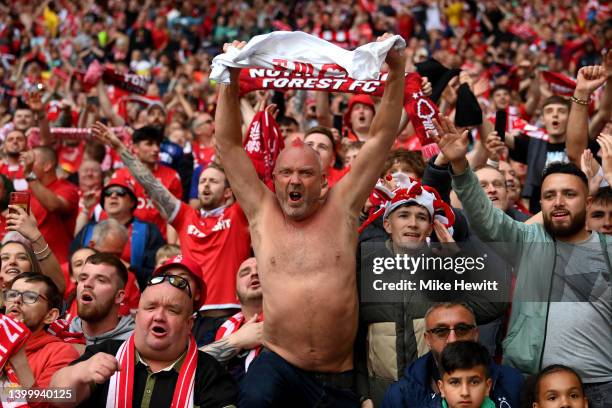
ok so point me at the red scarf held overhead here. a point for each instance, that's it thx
(559, 84)
(419, 107)
(263, 144)
(126, 81)
(120, 392)
(232, 325)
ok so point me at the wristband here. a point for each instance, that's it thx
(584, 102)
(493, 163)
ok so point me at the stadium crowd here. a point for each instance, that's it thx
(173, 239)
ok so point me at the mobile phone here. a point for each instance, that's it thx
(501, 121)
(93, 100)
(20, 198)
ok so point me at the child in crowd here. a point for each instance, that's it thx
(559, 386)
(465, 379)
(166, 252)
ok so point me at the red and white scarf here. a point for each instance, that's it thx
(420, 109)
(232, 325)
(120, 392)
(263, 144)
(13, 335)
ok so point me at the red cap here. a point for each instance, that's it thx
(364, 99)
(190, 266)
(120, 183)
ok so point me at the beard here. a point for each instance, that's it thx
(13, 155)
(577, 223)
(95, 311)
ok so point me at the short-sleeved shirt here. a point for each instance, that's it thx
(58, 226)
(213, 386)
(219, 243)
(15, 174)
(146, 210)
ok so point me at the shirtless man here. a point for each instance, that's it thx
(307, 270)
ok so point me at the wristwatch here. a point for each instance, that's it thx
(31, 176)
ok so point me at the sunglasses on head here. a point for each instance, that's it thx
(461, 330)
(121, 192)
(175, 280)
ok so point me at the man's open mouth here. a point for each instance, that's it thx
(295, 196)
(159, 331)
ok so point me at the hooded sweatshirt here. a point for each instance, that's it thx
(122, 331)
(46, 354)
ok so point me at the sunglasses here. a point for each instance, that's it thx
(121, 192)
(174, 280)
(461, 330)
(28, 297)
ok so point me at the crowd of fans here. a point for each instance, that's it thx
(140, 265)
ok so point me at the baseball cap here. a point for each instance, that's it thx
(189, 265)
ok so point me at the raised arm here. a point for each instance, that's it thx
(107, 107)
(489, 223)
(247, 187)
(356, 186)
(604, 112)
(167, 203)
(577, 139)
(25, 224)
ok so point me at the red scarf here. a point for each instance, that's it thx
(232, 325)
(129, 82)
(61, 329)
(120, 392)
(263, 144)
(419, 107)
(13, 335)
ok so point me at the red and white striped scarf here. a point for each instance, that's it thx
(120, 392)
(13, 335)
(232, 325)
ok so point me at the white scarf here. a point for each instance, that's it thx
(304, 53)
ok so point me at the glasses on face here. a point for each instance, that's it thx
(175, 280)
(115, 190)
(461, 330)
(28, 297)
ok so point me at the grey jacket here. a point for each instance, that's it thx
(122, 331)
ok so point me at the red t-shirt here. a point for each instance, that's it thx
(58, 226)
(12, 171)
(334, 175)
(146, 210)
(202, 155)
(219, 244)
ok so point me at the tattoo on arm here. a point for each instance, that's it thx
(164, 199)
(221, 350)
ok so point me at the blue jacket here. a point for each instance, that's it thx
(414, 388)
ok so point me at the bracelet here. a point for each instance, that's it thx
(36, 240)
(43, 250)
(584, 102)
(42, 258)
(493, 163)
